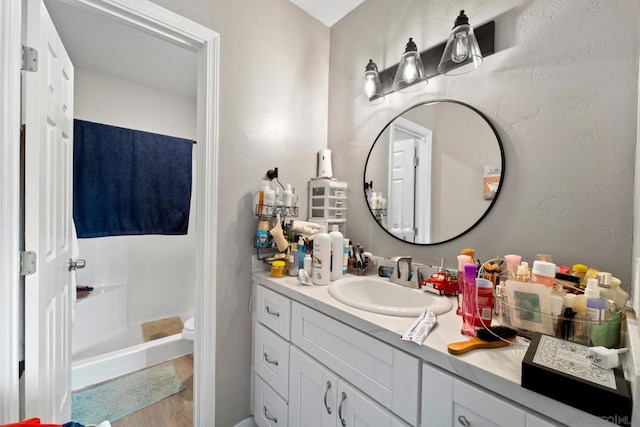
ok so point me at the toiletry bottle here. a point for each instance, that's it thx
(513, 261)
(308, 264)
(294, 197)
(462, 261)
(595, 304)
(556, 298)
(262, 234)
(277, 197)
(579, 270)
(544, 273)
(565, 327)
(345, 256)
(604, 286)
(469, 300)
(337, 252)
(302, 252)
(526, 271)
(582, 321)
(294, 260)
(321, 269)
(286, 196)
(264, 197)
(483, 307)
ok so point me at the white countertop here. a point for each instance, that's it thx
(498, 370)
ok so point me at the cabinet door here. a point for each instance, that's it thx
(356, 409)
(312, 392)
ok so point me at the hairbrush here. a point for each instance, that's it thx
(492, 337)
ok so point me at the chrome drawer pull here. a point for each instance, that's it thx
(325, 397)
(342, 420)
(266, 359)
(273, 313)
(463, 421)
(274, 419)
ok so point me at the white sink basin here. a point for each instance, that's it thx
(378, 295)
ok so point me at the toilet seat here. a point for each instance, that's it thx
(188, 331)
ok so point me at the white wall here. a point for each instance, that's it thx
(274, 68)
(159, 269)
(561, 90)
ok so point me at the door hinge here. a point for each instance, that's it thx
(416, 162)
(415, 231)
(29, 59)
(27, 263)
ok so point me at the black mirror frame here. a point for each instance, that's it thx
(502, 163)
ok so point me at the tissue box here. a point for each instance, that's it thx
(560, 370)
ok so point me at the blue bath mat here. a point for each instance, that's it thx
(117, 398)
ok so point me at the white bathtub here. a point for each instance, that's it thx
(105, 346)
(97, 369)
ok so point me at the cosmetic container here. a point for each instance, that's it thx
(294, 260)
(469, 300)
(462, 261)
(308, 264)
(337, 252)
(286, 196)
(595, 304)
(345, 256)
(579, 270)
(544, 273)
(302, 252)
(321, 269)
(277, 269)
(620, 296)
(513, 261)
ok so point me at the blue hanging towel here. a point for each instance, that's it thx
(128, 182)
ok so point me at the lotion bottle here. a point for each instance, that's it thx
(294, 260)
(337, 252)
(595, 304)
(321, 269)
(287, 196)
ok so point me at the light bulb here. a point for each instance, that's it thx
(370, 85)
(410, 71)
(460, 50)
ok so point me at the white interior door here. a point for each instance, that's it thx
(48, 115)
(401, 189)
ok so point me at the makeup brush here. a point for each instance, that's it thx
(492, 337)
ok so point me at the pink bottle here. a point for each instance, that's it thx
(469, 301)
(462, 260)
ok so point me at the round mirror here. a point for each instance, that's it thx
(434, 172)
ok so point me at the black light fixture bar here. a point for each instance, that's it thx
(485, 34)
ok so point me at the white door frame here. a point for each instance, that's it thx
(162, 23)
(422, 209)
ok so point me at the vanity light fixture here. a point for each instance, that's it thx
(436, 60)
(371, 89)
(461, 53)
(410, 75)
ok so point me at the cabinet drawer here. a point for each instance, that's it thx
(388, 375)
(484, 409)
(271, 359)
(270, 410)
(274, 311)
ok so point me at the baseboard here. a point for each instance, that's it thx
(246, 423)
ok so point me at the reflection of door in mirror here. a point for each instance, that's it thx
(409, 205)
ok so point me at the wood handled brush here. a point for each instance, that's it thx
(492, 337)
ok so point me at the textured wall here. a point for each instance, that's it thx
(562, 91)
(274, 67)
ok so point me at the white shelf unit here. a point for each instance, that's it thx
(328, 203)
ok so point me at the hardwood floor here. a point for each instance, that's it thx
(174, 411)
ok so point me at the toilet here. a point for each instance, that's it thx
(188, 331)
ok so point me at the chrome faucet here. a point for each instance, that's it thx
(402, 272)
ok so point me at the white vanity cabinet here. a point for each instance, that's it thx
(319, 398)
(310, 369)
(448, 401)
